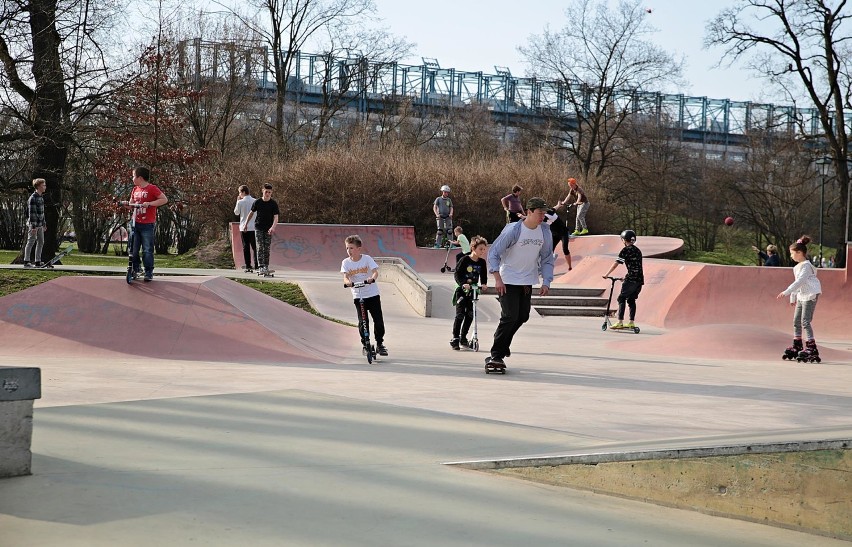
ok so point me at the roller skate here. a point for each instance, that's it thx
(793, 351)
(810, 354)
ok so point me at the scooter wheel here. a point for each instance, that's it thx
(603, 327)
(443, 270)
(635, 330)
(474, 345)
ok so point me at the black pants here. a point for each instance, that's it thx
(464, 314)
(513, 217)
(373, 305)
(249, 246)
(563, 237)
(629, 292)
(514, 312)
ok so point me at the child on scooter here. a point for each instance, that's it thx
(358, 267)
(470, 270)
(631, 257)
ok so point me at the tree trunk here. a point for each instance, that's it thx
(49, 112)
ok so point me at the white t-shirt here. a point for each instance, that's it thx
(360, 271)
(520, 264)
(243, 209)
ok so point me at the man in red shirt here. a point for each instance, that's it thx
(144, 219)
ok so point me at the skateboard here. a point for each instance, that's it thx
(57, 258)
(492, 367)
(267, 273)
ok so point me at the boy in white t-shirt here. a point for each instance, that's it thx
(521, 253)
(362, 268)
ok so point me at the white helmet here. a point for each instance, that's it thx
(445, 188)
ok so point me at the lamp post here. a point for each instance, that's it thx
(824, 165)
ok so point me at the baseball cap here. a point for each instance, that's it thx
(536, 203)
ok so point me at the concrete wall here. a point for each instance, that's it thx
(414, 288)
(18, 387)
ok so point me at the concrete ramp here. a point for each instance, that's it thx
(191, 318)
(320, 247)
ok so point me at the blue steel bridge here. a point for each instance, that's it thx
(365, 85)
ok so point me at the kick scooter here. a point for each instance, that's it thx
(363, 323)
(446, 267)
(131, 273)
(474, 341)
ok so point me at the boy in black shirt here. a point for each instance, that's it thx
(470, 270)
(631, 257)
(267, 213)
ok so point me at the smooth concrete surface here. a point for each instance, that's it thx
(344, 453)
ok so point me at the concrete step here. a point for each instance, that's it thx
(570, 311)
(595, 302)
(572, 291)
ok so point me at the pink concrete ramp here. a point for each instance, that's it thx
(610, 245)
(708, 306)
(320, 247)
(191, 318)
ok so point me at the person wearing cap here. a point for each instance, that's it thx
(443, 209)
(521, 254)
(582, 205)
(513, 206)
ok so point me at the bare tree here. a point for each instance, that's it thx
(54, 76)
(802, 46)
(288, 25)
(599, 57)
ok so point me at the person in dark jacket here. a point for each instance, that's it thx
(770, 257)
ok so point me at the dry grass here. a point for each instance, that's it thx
(358, 184)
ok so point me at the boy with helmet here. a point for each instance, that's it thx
(631, 257)
(443, 209)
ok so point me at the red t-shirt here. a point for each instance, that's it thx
(145, 195)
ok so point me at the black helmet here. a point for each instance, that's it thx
(628, 235)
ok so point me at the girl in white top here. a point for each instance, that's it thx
(804, 292)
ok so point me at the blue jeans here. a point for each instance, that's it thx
(142, 235)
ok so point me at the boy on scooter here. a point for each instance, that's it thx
(361, 268)
(469, 270)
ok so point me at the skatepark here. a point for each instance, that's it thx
(196, 410)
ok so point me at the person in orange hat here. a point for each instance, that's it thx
(581, 203)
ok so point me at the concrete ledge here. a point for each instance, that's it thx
(18, 387)
(413, 288)
(798, 485)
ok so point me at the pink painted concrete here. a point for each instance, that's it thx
(192, 318)
(320, 247)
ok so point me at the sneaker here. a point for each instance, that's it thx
(149, 277)
(28, 265)
(38, 264)
(630, 325)
(382, 350)
(454, 343)
(583, 232)
(464, 342)
(494, 361)
(618, 325)
(246, 268)
(575, 233)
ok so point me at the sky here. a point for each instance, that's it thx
(474, 35)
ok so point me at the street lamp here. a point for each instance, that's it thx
(824, 165)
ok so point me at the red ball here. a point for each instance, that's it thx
(729, 221)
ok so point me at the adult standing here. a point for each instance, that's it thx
(144, 220)
(513, 206)
(243, 210)
(35, 224)
(265, 213)
(581, 202)
(443, 209)
(770, 257)
(521, 254)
